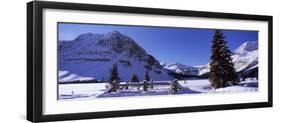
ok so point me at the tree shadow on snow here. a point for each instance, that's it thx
(250, 84)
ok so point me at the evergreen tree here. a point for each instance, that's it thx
(145, 85)
(151, 84)
(134, 78)
(113, 86)
(174, 87)
(146, 77)
(222, 71)
(113, 79)
(114, 75)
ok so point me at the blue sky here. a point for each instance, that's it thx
(170, 45)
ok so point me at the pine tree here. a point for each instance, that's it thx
(174, 87)
(151, 84)
(145, 85)
(114, 78)
(114, 75)
(113, 86)
(146, 77)
(222, 71)
(134, 78)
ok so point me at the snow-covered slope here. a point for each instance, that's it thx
(247, 47)
(183, 69)
(92, 55)
(244, 57)
(65, 76)
(203, 69)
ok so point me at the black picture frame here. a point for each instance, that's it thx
(35, 69)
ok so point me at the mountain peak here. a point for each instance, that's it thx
(115, 32)
(87, 37)
(163, 64)
(247, 47)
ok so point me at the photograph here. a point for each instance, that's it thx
(110, 61)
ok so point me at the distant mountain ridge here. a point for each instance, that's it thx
(182, 69)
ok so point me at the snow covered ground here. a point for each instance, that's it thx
(203, 86)
(98, 90)
(81, 91)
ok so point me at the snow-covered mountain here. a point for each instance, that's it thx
(245, 58)
(247, 47)
(92, 55)
(182, 69)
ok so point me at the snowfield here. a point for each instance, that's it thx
(65, 76)
(203, 86)
(98, 90)
(81, 91)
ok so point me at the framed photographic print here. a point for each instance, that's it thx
(94, 61)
